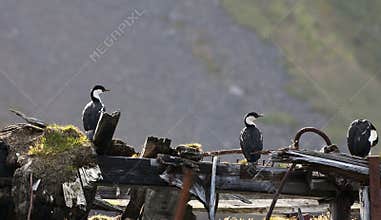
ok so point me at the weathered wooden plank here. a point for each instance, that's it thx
(142, 171)
(258, 206)
(74, 195)
(340, 207)
(89, 176)
(326, 163)
(154, 145)
(113, 192)
(105, 131)
(101, 204)
(364, 203)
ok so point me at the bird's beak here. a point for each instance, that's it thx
(107, 90)
(260, 115)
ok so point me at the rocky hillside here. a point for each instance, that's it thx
(181, 69)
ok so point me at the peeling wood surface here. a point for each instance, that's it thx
(347, 166)
(89, 176)
(105, 131)
(73, 194)
(260, 206)
(143, 171)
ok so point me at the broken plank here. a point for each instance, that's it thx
(89, 176)
(326, 164)
(143, 171)
(105, 131)
(74, 195)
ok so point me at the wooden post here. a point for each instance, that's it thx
(105, 131)
(152, 147)
(341, 206)
(374, 187)
(364, 203)
(212, 199)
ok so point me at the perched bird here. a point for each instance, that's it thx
(251, 138)
(361, 137)
(93, 110)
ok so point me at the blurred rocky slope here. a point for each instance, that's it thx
(183, 69)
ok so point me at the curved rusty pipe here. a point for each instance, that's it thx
(310, 130)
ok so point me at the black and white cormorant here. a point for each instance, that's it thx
(251, 139)
(361, 137)
(93, 110)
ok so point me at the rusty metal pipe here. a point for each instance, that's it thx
(310, 130)
(374, 187)
(279, 191)
(184, 194)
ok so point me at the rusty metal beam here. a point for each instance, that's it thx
(279, 191)
(184, 194)
(374, 186)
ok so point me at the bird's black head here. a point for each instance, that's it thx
(251, 117)
(96, 91)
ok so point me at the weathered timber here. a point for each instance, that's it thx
(339, 164)
(340, 207)
(300, 214)
(260, 206)
(213, 203)
(113, 192)
(33, 121)
(89, 176)
(374, 187)
(100, 204)
(152, 147)
(105, 131)
(364, 203)
(74, 195)
(146, 172)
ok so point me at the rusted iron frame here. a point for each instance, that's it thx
(374, 187)
(310, 130)
(279, 191)
(184, 194)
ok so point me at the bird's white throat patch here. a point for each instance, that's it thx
(97, 93)
(250, 120)
(373, 137)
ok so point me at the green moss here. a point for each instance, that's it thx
(57, 139)
(196, 146)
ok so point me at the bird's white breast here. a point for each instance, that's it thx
(373, 137)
